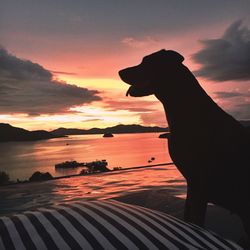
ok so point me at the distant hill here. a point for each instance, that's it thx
(119, 129)
(10, 133)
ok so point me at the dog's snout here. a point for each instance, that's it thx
(130, 75)
(136, 77)
(125, 75)
(121, 73)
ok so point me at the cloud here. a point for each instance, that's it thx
(27, 87)
(224, 94)
(138, 106)
(136, 43)
(235, 103)
(63, 73)
(228, 57)
(92, 120)
(157, 118)
(149, 112)
(241, 111)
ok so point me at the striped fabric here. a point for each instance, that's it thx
(103, 225)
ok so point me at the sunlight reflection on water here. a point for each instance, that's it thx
(99, 186)
(21, 159)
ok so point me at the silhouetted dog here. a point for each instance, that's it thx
(208, 146)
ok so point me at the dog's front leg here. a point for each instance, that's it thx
(195, 206)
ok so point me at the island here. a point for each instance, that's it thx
(10, 133)
(90, 167)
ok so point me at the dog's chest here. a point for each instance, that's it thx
(186, 152)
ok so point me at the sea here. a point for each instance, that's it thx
(160, 187)
(21, 159)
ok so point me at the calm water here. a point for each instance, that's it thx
(21, 159)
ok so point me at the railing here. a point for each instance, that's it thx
(149, 166)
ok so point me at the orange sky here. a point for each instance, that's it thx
(92, 58)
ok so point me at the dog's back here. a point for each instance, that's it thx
(216, 145)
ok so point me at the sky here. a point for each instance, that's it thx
(59, 60)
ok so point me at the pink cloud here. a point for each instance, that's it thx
(139, 43)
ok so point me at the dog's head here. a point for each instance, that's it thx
(144, 77)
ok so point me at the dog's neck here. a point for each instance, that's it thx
(187, 106)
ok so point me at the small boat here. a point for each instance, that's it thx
(108, 135)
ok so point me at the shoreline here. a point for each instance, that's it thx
(90, 174)
(24, 135)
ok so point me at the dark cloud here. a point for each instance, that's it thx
(27, 87)
(235, 103)
(228, 57)
(241, 111)
(15, 68)
(63, 73)
(224, 94)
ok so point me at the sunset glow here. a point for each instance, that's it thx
(86, 47)
(114, 113)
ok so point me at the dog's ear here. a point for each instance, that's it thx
(172, 56)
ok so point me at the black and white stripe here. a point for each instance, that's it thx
(105, 225)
